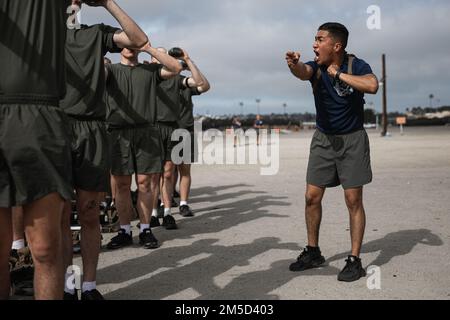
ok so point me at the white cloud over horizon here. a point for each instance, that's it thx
(240, 46)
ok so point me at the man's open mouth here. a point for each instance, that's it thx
(317, 56)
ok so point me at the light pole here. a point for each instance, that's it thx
(241, 104)
(431, 96)
(385, 117)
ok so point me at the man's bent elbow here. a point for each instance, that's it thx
(373, 89)
(140, 41)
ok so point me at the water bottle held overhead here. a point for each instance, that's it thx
(176, 52)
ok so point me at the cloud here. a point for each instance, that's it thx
(240, 46)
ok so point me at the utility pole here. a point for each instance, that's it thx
(384, 117)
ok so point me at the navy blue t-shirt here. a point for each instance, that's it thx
(340, 108)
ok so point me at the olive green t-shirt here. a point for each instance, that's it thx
(168, 99)
(187, 107)
(32, 36)
(131, 95)
(85, 50)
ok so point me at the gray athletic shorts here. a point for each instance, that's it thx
(136, 150)
(339, 160)
(35, 158)
(90, 156)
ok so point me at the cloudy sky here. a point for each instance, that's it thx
(240, 46)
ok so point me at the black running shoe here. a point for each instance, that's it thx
(154, 222)
(174, 203)
(148, 240)
(352, 271)
(176, 194)
(308, 259)
(92, 295)
(169, 223)
(185, 211)
(121, 240)
(70, 297)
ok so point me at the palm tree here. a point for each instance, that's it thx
(431, 96)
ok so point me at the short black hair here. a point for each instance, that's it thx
(338, 31)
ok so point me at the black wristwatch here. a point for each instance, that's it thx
(338, 74)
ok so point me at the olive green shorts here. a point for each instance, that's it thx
(90, 156)
(136, 151)
(166, 129)
(339, 160)
(35, 158)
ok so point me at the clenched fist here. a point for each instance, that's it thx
(292, 58)
(333, 70)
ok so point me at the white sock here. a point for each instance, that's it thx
(127, 228)
(66, 289)
(162, 204)
(155, 213)
(144, 226)
(167, 212)
(183, 203)
(18, 244)
(89, 286)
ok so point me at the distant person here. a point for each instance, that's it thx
(258, 125)
(237, 126)
(340, 153)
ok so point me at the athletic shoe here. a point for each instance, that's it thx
(174, 203)
(22, 281)
(154, 222)
(308, 259)
(70, 297)
(148, 240)
(176, 194)
(121, 240)
(92, 295)
(185, 211)
(169, 223)
(352, 271)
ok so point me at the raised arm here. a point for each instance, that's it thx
(197, 80)
(171, 66)
(132, 36)
(299, 69)
(366, 83)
